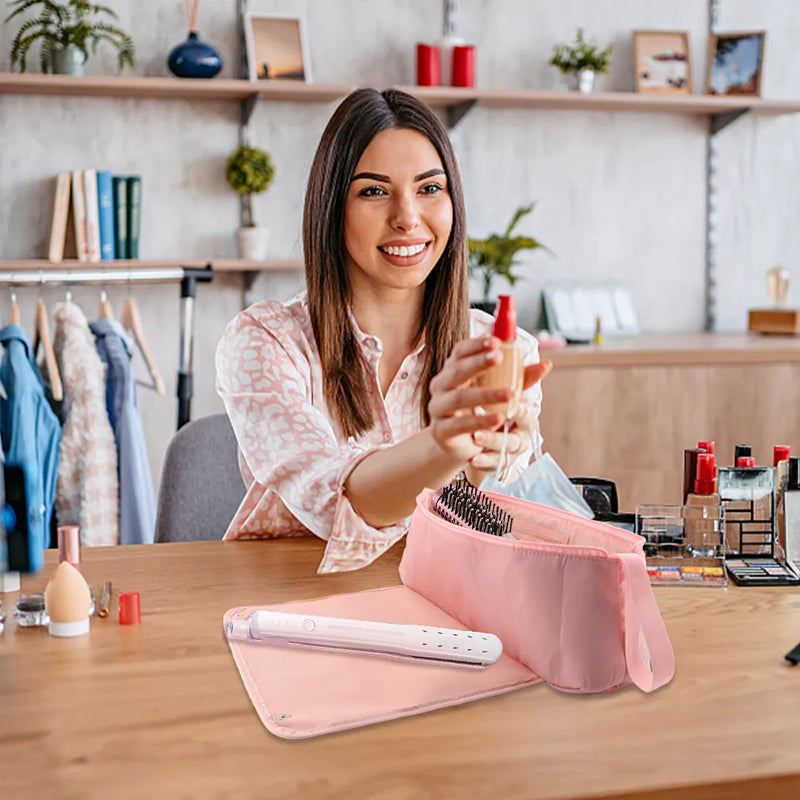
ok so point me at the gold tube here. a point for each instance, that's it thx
(105, 600)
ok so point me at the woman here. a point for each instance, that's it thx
(349, 400)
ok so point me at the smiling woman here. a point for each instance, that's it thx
(350, 399)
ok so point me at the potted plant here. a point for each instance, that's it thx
(581, 61)
(66, 31)
(250, 171)
(494, 257)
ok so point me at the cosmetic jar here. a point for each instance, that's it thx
(29, 611)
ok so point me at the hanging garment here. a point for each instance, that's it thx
(30, 430)
(88, 489)
(137, 503)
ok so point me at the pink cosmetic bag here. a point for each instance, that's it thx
(570, 600)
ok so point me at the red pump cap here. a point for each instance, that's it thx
(129, 610)
(505, 321)
(706, 474)
(707, 446)
(745, 461)
(780, 453)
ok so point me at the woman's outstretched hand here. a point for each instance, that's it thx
(453, 420)
(523, 426)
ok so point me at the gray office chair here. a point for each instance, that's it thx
(201, 486)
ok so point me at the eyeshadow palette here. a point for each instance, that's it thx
(763, 571)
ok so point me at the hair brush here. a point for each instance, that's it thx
(463, 504)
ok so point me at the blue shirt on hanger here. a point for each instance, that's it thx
(30, 430)
(137, 504)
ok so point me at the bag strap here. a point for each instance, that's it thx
(643, 618)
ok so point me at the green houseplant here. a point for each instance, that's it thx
(66, 31)
(581, 61)
(494, 256)
(250, 171)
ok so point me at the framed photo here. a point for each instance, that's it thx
(662, 62)
(734, 63)
(276, 48)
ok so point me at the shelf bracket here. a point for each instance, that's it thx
(457, 112)
(248, 106)
(720, 121)
(249, 278)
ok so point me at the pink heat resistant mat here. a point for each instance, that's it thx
(302, 692)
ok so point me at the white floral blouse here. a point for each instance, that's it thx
(293, 460)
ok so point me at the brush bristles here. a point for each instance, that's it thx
(463, 504)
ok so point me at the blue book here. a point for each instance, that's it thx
(105, 203)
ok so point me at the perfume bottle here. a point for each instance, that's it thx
(508, 371)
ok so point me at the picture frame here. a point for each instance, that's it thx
(735, 63)
(662, 62)
(277, 49)
(572, 307)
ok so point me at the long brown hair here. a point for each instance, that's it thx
(445, 312)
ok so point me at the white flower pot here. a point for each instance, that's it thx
(69, 60)
(251, 243)
(582, 81)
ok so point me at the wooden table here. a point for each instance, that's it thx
(159, 711)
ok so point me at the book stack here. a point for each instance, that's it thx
(96, 216)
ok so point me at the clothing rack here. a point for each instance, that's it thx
(188, 277)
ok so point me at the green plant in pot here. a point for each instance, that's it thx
(494, 256)
(66, 31)
(581, 61)
(250, 171)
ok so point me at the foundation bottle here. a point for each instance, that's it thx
(508, 371)
(702, 537)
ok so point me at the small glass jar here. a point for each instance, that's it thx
(29, 611)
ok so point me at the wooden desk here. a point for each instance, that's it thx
(627, 410)
(159, 711)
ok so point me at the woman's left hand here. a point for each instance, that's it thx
(522, 430)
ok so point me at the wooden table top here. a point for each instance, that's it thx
(159, 711)
(678, 348)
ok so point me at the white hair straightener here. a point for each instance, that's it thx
(426, 642)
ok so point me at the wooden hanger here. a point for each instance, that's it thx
(13, 309)
(105, 311)
(42, 336)
(132, 321)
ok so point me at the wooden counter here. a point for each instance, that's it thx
(626, 410)
(159, 710)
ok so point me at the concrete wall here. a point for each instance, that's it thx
(620, 195)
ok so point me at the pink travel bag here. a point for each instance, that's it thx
(569, 598)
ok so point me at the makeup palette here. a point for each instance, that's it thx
(761, 571)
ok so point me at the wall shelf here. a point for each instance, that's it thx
(219, 265)
(456, 99)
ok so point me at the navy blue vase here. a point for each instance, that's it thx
(194, 59)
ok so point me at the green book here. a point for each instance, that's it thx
(120, 195)
(134, 214)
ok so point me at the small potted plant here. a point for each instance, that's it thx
(494, 257)
(581, 61)
(65, 32)
(250, 171)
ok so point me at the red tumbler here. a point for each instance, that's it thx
(464, 65)
(429, 65)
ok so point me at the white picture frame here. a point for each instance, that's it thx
(277, 49)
